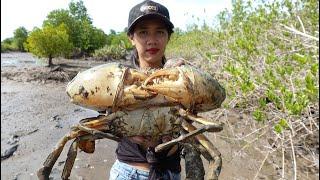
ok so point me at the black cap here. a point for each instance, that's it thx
(148, 9)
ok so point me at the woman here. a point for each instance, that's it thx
(149, 30)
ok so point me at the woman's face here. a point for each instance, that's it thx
(150, 38)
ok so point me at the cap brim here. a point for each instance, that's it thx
(151, 15)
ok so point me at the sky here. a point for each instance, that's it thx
(105, 14)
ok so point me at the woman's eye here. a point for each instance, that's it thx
(143, 33)
(160, 32)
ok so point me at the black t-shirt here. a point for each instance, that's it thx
(127, 151)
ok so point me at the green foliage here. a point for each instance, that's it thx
(15, 43)
(110, 52)
(259, 115)
(82, 33)
(79, 11)
(20, 37)
(8, 45)
(261, 63)
(119, 39)
(116, 47)
(49, 42)
(91, 38)
(62, 16)
(280, 126)
(85, 36)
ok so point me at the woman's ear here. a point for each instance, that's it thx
(130, 37)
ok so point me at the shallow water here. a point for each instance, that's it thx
(17, 59)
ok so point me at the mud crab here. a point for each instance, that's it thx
(153, 122)
(116, 87)
(153, 103)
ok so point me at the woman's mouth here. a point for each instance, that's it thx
(152, 50)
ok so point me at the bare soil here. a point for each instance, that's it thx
(36, 113)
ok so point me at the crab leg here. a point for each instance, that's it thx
(71, 157)
(197, 119)
(98, 133)
(215, 163)
(210, 128)
(193, 163)
(72, 153)
(44, 172)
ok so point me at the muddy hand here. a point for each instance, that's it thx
(174, 63)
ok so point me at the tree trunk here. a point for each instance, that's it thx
(50, 64)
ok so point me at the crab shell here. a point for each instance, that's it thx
(116, 87)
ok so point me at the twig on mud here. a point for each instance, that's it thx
(303, 29)
(300, 33)
(283, 151)
(264, 160)
(292, 88)
(311, 119)
(310, 152)
(252, 132)
(233, 102)
(293, 157)
(304, 126)
(230, 127)
(241, 138)
(66, 76)
(257, 138)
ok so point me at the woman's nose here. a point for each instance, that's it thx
(152, 39)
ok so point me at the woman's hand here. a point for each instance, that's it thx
(174, 63)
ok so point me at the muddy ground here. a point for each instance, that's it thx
(36, 113)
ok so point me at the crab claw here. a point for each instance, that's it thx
(96, 87)
(208, 93)
(108, 86)
(192, 88)
(171, 83)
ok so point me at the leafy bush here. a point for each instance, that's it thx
(117, 47)
(266, 56)
(15, 43)
(8, 45)
(110, 52)
(119, 39)
(259, 53)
